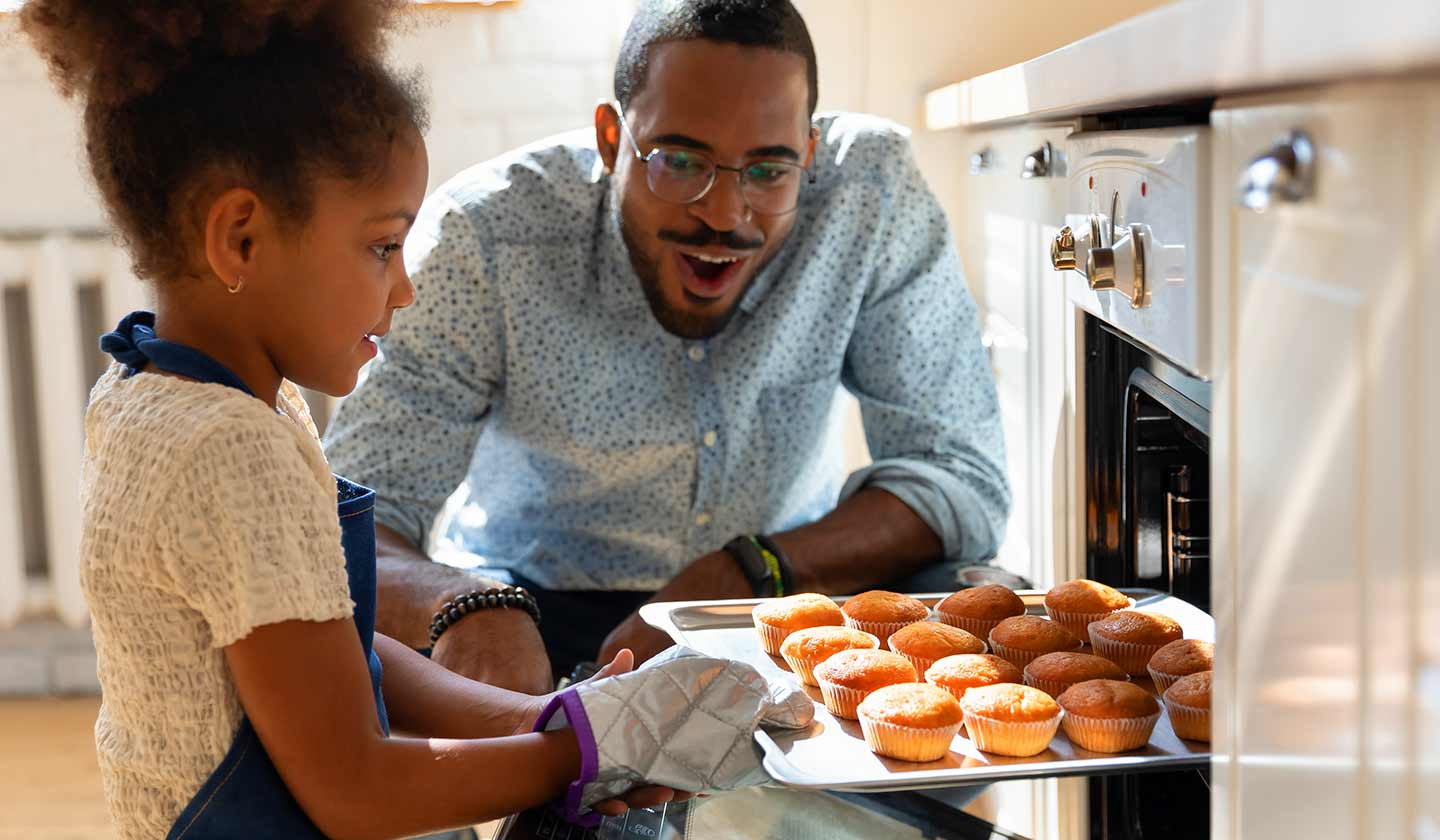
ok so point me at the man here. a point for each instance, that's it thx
(634, 345)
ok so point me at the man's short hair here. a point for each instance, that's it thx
(752, 23)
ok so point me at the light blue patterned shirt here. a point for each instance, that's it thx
(600, 452)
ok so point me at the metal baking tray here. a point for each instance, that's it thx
(831, 753)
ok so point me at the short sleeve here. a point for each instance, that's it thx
(255, 532)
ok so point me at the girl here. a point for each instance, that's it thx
(263, 165)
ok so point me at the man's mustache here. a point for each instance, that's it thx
(707, 236)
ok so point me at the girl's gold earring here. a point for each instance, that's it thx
(239, 284)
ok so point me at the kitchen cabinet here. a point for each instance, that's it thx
(1325, 464)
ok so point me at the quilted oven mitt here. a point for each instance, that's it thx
(683, 719)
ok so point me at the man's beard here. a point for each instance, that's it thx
(688, 325)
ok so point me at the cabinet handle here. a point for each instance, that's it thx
(1039, 163)
(1284, 173)
(981, 160)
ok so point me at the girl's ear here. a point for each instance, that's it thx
(231, 235)
(607, 133)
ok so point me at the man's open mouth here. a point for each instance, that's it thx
(709, 276)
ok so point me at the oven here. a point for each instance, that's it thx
(1135, 265)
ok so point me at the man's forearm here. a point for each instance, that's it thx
(411, 587)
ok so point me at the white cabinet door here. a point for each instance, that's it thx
(1327, 377)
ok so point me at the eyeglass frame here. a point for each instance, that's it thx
(715, 167)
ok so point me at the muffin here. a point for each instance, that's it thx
(1130, 637)
(848, 676)
(925, 642)
(779, 617)
(1076, 603)
(809, 646)
(1010, 719)
(910, 721)
(958, 674)
(1108, 715)
(1055, 672)
(979, 608)
(1022, 638)
(1188, 702)
(882, 613)
(1180, 659)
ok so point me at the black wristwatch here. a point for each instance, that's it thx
(764, 565)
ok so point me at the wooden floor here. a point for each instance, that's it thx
(49, 781)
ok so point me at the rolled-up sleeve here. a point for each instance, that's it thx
(410, 429)
(917, 367)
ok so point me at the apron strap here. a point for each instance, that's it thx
(133, 343)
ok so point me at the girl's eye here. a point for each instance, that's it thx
(384, 252)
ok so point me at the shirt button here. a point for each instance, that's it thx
(702, 520)
(697, 353)
(710, 438)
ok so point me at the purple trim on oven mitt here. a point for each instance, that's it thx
(573, 711)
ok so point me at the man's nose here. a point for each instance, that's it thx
(723, 207)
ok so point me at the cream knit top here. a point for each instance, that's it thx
(206, 514)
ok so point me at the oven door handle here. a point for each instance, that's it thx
(1284, 173)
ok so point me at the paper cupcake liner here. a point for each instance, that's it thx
(1131, 656)
(1109, 735)
(841, 700)
(805, 668)
(879, 629)
(908, 743)
(1078, 623)
(1189, 722)
(1020, 658)
(771, 637)
(1003, 737)
(980, 627)
(1054, 688)
(1163, 680)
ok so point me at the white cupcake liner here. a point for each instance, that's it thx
(980, 627)
(805, 668)
(1054, 688)
(1013, 738)
(908, 743)
(1078, 623)
(921, 664)
(1189, 722)
(1109, 735)
(879, 629)
(1133, 657)
(1020, 658)
(841, 700)
(1163, 679)
(771, 637)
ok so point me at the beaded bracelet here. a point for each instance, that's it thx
(452, 611)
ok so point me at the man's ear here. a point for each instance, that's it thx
(810, 149)
(607, 133)
(231, 232)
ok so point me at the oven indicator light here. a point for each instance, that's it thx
(1144, 189)
(1092, 182)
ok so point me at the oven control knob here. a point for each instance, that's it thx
(1062, 250)
(1121, 267)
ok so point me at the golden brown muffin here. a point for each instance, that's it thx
(1178, 659)
(979, 608)
(1022, 638)
(958, 674)
(848, 676)
(777, 618)
(910, 721)
(809, 646)
(882, 613)
(1076, 603)
(1130, 637)
(1055, 672)
(1188, 703)
(925, 642)
(1108, 715)
(1010, 719)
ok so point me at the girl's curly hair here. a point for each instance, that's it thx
(185, 99)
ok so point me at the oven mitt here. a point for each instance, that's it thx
(683, 719)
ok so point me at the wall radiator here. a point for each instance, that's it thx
(61, 290)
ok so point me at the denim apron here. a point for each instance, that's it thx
(245, 798)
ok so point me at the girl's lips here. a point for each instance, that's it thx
(712, 287)
(369, 344)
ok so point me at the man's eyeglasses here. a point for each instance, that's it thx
(683, 176)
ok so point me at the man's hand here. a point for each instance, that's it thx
(500, 647)
(635, 634)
